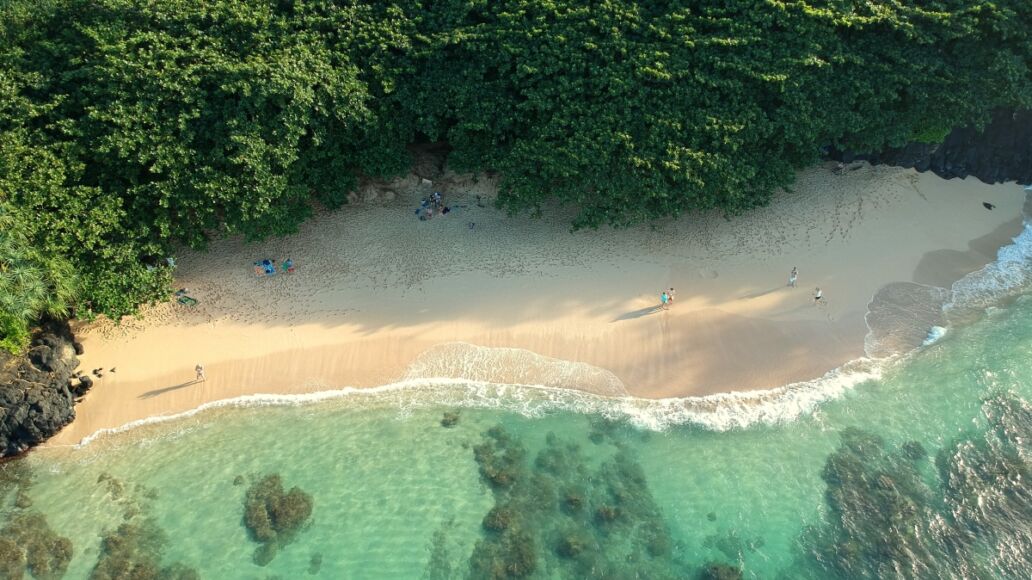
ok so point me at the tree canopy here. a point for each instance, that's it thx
(130, 126)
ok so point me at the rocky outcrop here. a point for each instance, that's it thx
(1000, 152)
(35, 398)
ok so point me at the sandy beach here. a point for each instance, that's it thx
(379, 296)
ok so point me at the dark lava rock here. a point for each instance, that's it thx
(85, 384)
(35, 401)
(1002, 151)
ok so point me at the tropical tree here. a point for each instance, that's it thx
(32, 284)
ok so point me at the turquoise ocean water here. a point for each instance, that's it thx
(919, 469)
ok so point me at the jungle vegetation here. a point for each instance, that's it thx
(128, 127)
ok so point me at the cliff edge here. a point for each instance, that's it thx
(1000, 152)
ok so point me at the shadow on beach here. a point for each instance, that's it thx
(156, 392)
(638, 313)
(762, 293)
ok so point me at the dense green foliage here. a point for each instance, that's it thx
(32, 283)
(129, 126)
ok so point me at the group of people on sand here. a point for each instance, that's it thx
(666, 297)
(432, 204)
(818, 295)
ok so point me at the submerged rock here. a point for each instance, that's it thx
(567, 514)
(315, 564)
(513, 556)
(501, 459)
(29, 545)
(571, 544)
(720, 572)
(273, 517)
(450, 419)
(35, 401)
(134, 550)
(83, 386)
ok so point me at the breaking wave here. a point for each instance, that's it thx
(720, 412)
(903, 316)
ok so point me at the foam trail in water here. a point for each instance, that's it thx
(482, 364)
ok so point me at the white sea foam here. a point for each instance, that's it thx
(1010, 274)
(719, 412)
(935, 333)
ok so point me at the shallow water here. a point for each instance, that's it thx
(397, 495)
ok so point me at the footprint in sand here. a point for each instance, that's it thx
(708, 274)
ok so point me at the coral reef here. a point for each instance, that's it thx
(883, 517)
(566, 515)
(720, 572)
(500, 458)
(28, 545)
(134, 550)
(450, 419)
(273, 517)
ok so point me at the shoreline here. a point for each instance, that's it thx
(364, 318)
(715, 412)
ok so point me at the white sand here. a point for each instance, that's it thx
(377, 293)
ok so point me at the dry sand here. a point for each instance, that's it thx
(379, 296)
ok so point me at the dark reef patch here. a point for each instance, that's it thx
(567, 516)
(273, 517)
(450, 419)
(135, 549)
(29, 545)
(892, 514)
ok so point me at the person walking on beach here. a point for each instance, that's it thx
(200, 373)
(793, 276)
(818, 297)
(670, 297)
(664, 300)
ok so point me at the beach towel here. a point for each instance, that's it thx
(186, 300)
(266, 267)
